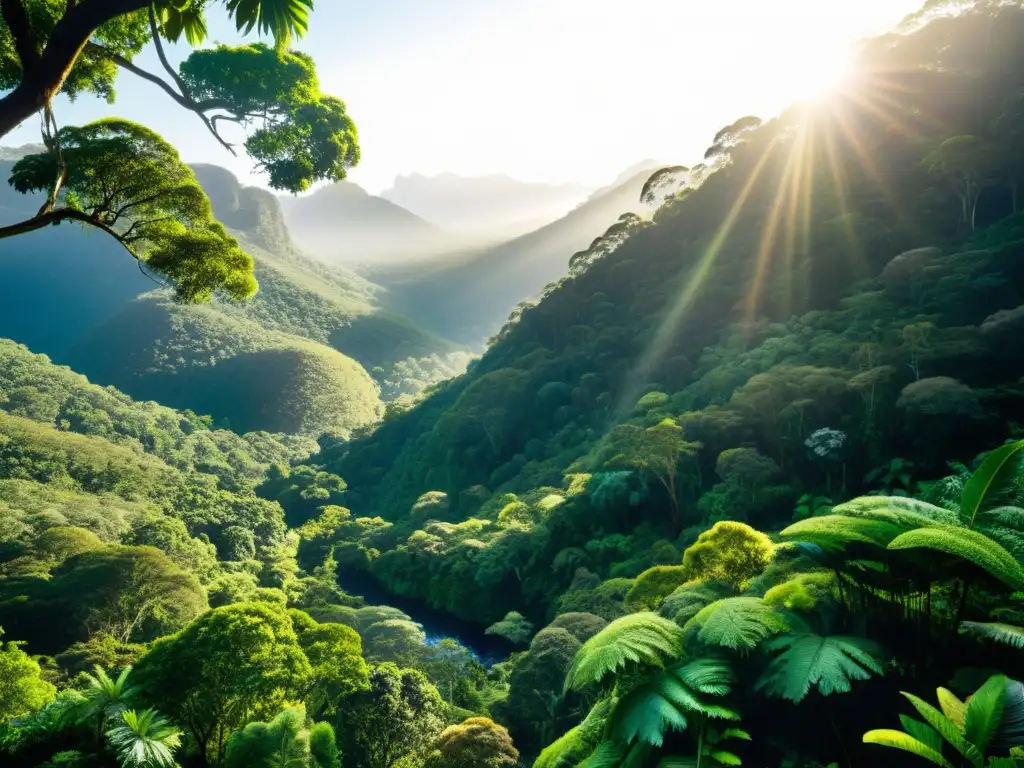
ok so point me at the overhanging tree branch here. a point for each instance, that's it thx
(44, 75)
(181, 99)
(25, 43)
(155, 31)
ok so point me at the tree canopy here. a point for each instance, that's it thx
(122, 178)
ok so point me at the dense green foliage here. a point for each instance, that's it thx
(234, 369)
(749, 473)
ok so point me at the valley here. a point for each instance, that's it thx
(709, 465)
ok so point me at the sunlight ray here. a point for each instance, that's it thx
(659, 343)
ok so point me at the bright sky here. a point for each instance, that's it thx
(542, 90)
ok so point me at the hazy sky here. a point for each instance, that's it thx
(542, 90)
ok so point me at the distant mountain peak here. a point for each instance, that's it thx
(493, 202)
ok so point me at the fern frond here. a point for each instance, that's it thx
(707, 675)
(688, 599)
(1012, 517)
(966, 544)
(607, 754)
(1008, 537)
(899, 740)
(663, 702)
(737, 623)
(990, 484)
(638, 638)
(1007, 634)
(837, 531)
(807, 661)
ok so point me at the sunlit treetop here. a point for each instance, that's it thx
(294, 133)
(126, 180)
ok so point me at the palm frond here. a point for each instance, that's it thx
(144, 740)
(737, 623)
(829, 664)
(663, 702)
(638, 638)
(1007, 634)
(968, 545)
(989, 485)
(899, 740)
(280, 18)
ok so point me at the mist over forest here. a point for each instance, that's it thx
(718, 462)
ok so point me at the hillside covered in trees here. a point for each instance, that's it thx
(743, 486)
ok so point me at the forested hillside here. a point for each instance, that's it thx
(743, 486)
(102, 325)
(480, 289)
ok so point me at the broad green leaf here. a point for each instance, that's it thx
(990, 480)
(726, 758)
(922, 732)
(639, 638)
(954, 709)
(985, 712)
(899, 740)
(947, 729)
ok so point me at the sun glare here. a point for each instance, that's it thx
(819, 74)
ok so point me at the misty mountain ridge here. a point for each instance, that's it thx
(483, 203)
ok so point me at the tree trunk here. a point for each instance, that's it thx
(43, 78)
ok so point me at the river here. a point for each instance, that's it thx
(487, 649)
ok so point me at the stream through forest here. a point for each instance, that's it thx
(487, 649)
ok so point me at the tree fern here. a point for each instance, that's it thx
(736, 623)
(990, 484)
(665, 700)
(611, 754)
(576, 743)
(1007, 634)
(639, 638)
(806, 661)
(968, 545)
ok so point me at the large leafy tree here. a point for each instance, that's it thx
(655, 451)
(284, 742)
(478, 742)
(397, 717)
(22, 688)
(122, 178)
(230, 666)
